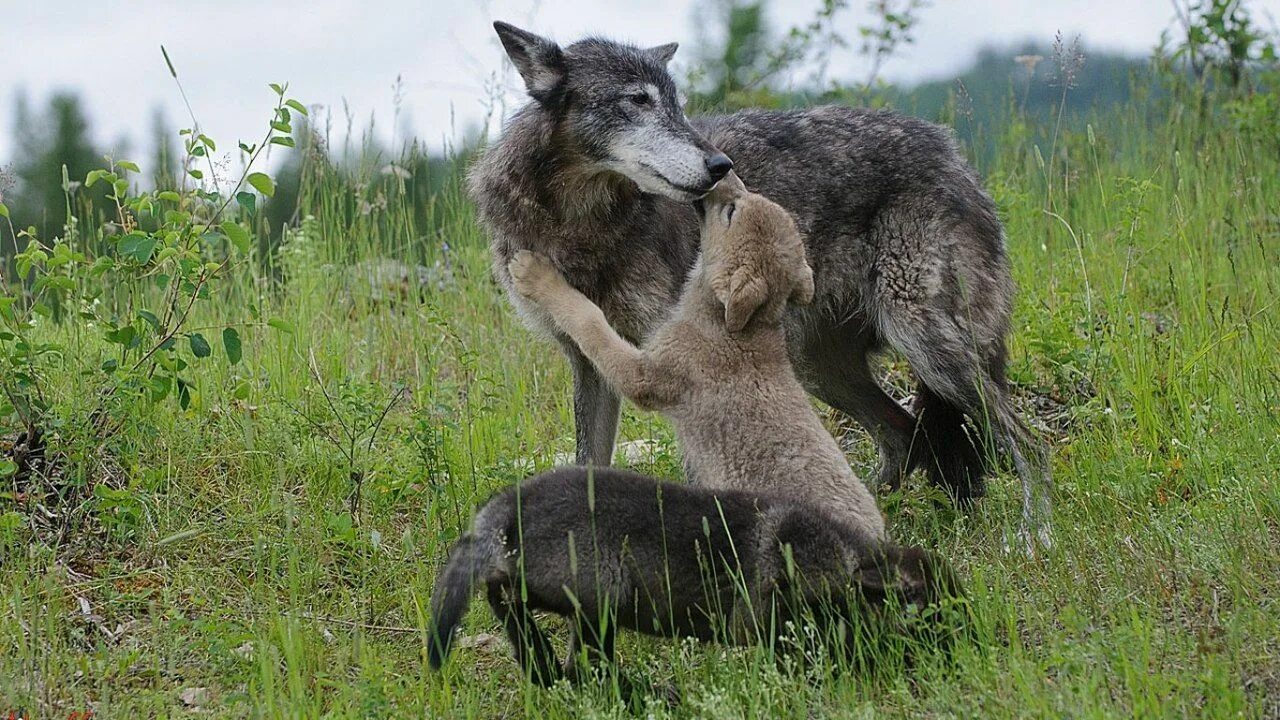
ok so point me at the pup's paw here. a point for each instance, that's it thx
(533, 275)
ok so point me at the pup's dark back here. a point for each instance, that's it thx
(662, 558)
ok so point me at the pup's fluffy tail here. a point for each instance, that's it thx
(469, 561)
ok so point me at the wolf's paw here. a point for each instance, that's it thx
(533, 275)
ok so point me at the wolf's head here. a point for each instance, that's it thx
(753, 255)
(616, 107)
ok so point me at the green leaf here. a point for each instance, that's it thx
(284, 140)
(238, 236)
(279, 90)
(196, 174)
(7, 467)
(126, 165)
(151, 319)
(122, 336)
(281, 325)
(248, 201)
(231, 341)
(138, 246)
(4, 210)
(188, 534)
(169, 195)
(11, 520)
(199, 346)
(296, 106)
(242, 390)
(160, 388)
(262, 183)
(93, 177)
(184, 393)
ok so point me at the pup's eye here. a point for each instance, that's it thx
(728, 212)
(641, 98)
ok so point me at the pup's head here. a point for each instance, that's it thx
(912, 594)
(616, 109)
(753, 255)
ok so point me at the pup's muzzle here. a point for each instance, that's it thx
(728, 189)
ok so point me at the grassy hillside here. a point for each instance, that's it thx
(268, 551)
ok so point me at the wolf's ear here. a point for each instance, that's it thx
(802, 292)
(539, 61)
(662, 53)
(747, 291)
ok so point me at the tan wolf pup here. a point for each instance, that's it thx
(718, 368)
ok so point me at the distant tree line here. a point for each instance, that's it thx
(736, 66)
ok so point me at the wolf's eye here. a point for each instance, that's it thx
(728, 212)
(641, 98)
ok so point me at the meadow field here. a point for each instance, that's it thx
(246, 520)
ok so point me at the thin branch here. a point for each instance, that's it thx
(349, 432)
(376, 426)
(319, 428)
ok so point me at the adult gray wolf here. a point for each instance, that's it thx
(612, 549)
(718, 367)
(597, 172)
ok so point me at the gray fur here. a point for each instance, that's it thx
(719, 368)
(607, 548)
(905, 245)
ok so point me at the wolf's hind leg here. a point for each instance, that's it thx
(835, 370)
(955, 461)
(532, 648)
(949, 364)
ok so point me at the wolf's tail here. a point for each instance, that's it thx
(470, 560)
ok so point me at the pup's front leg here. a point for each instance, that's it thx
(623, 365)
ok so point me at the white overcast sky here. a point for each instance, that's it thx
(227, 51)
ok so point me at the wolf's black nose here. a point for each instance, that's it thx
(719, 165)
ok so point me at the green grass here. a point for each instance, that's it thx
(220, 552)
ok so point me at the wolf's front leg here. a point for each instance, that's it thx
(623, 365)
(595, 409)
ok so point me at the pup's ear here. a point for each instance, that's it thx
(747, 291)
(662, 53)
(539, 61)
(802, 291)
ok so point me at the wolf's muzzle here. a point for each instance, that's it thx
(718, 165)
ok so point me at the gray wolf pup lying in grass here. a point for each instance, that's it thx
(611, 549)
(719, 368)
